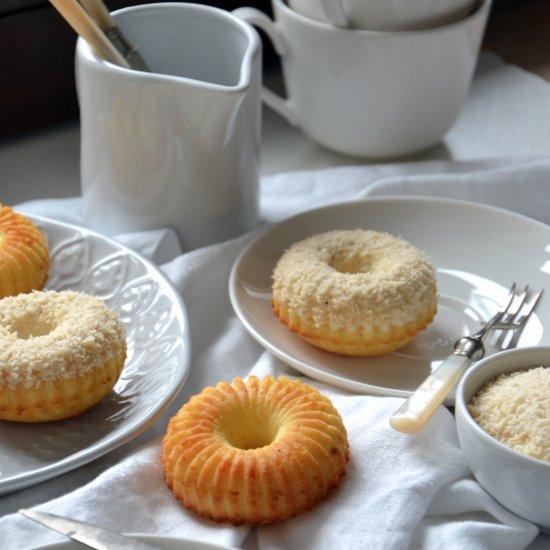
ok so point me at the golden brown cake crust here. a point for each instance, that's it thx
(255, 451)
(24, 260)
(60, 353)
(355, 292)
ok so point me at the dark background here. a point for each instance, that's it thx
(37, 84)
(37, 49)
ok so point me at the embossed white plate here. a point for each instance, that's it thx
(478, 251)
(157, 335)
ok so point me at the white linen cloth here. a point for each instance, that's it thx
(400, 492)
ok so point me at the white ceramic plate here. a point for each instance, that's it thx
(164, 543)
(155, 320)
(478, 251)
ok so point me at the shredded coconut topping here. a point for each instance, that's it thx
(54, 335)
(515, 409)
(346, 276)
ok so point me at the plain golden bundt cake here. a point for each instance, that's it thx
(60, 353)
(24, 257)
(354, 292)
(255, 451)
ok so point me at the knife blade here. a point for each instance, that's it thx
(90, 535)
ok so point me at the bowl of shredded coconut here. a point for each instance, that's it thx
(503, 422)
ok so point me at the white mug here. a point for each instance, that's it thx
(177, 147)
(384, 15)
(371, 94)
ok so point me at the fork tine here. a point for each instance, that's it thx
(515, 306)
(508, 319)
(503, 308)
(518, 322)
(509, 299)
(509, 311)
(527, 308)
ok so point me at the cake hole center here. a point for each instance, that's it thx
(32, 328)
(248, 429)
(351, 262)
(346, 262)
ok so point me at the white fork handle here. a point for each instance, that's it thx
(412, 416)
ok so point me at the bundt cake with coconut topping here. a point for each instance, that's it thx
(24, 259)
(355, 292)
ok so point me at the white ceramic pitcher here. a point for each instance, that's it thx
(177, 147)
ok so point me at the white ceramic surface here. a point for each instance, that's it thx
(177, 147)
(384, 15)
(366, 93)
(520, 483)
(164, 543)
(157, 364)
(475, 267)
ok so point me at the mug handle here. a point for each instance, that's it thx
(257, 18)
(334, 12)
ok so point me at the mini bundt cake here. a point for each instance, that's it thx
(255, 451)
(60, 353)
(355, 292)
(24, 259)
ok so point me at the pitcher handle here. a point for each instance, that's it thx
(334, 12)
(257, 18)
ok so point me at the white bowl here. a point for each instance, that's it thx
(518, 482)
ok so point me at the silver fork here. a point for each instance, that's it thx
(413, 414)
(525, 304)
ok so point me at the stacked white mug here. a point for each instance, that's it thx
(373, 78)
(385, 15)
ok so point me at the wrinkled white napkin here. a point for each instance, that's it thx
(400, 492)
